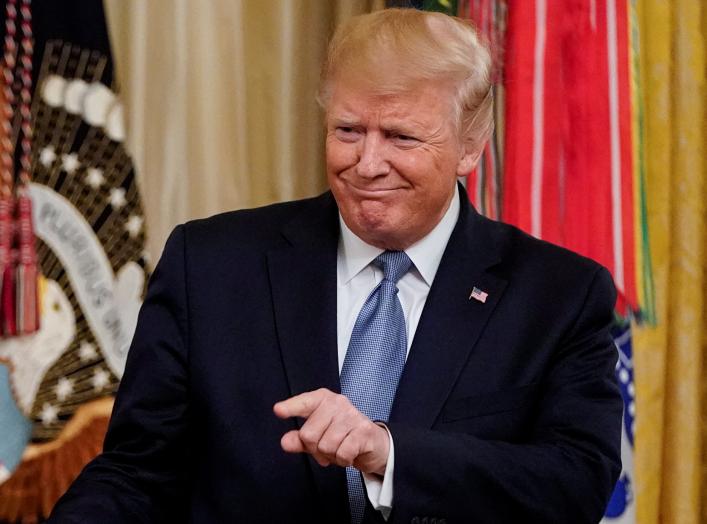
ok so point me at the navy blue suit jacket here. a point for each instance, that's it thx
(507, 411)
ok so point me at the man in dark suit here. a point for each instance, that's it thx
(424, 364)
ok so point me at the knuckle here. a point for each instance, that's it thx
(342, 399)
(349, 449)
(347, 409)
(372, 430)
(344, 456)
(323, 392)
(308, 436)
(326, 447)
(338, 403)
(304, 403)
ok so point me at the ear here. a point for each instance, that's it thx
(469, 159)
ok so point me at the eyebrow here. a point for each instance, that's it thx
(402, 128)
(347, 121)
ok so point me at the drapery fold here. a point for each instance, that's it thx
(220, 101)
(669, 362)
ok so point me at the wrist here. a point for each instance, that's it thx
(380, 468)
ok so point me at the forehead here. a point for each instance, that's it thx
(424, 103)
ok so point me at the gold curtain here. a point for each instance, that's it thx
(220, 104)
(670, 374)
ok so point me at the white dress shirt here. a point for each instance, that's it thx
(357, 277)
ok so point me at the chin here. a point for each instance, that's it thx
(380, 231)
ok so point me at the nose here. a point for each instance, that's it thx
(372, 160)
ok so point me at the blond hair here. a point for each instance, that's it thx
(392, 50)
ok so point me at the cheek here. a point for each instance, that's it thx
(339, 156)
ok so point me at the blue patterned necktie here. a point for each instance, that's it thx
(375, 358)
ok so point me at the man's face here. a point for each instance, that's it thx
(392, 161)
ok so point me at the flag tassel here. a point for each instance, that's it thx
(27, 272)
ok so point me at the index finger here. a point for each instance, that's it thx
(302, 405)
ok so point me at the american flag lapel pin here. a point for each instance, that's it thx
(479, 295)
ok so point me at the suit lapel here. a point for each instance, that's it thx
(303, 280)
(451, 322)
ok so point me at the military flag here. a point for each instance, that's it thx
(56, 384)
(573, 160)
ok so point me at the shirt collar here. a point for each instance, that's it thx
(354, 254)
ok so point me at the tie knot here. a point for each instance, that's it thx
(394, 264)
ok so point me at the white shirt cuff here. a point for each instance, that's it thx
(380, 492)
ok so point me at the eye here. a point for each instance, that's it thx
(405, 140)
(346, 133)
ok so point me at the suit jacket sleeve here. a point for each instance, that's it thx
(140, 472)
(563, 472)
